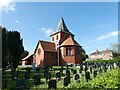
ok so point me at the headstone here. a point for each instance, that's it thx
(67, 73)
(52, 84)
(58, 75)
(87, 75)
(36, 79)
(20, 84)
(74, 72)
(66, 81)
(77, 77)
(94, 73)
(90, 69)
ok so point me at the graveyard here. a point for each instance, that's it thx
(91, 75)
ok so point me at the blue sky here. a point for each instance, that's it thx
(95, 25)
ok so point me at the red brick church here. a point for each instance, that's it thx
(61, 50)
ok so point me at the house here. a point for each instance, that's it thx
(61, 50)
(102, 55)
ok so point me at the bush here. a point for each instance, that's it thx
(106, 80)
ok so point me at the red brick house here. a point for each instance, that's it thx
(61, 50)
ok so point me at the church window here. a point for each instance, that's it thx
(52, 38)
(77, 50)
(68, 51)
(57, 37)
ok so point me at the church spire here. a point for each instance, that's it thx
(62, 26)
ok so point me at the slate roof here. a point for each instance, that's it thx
(62, 27)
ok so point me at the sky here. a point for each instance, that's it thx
(94, 24)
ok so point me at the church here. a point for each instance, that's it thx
(62, 49)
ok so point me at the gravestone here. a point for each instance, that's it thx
(87, 75)
(58, 75)
(20, 84)
(67, 73)
(66, 81)
(90, 68)
(52, 84)
(81, 67)
(94, 73)
(77, 77)
(36, 79)
(85, 69)
(74, 72)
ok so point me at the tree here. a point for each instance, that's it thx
(84, 55)
(12, 48)
(115, 48)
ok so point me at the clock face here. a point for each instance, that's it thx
(39, 51)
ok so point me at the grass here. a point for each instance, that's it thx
(11, 85)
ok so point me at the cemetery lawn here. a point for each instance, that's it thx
(109, 79)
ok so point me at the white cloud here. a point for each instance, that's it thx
(47, 31)
(7, 5)
(17, 21)
(115, 33)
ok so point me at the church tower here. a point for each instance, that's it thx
(61, 34)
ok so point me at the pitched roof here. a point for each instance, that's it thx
(47, 46)
(70, 41)
(30, 54)
(62, 27)
(98, 52)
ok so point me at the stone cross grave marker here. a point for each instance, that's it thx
(52, 84)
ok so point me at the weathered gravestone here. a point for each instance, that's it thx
(94, 73)
(58, 75)
(90, 68)
(74, 72)
(20, 84)
(87, 75)
(36, 79)
(76, 77)
(66, 81)
(52, 84)
(67, 73)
